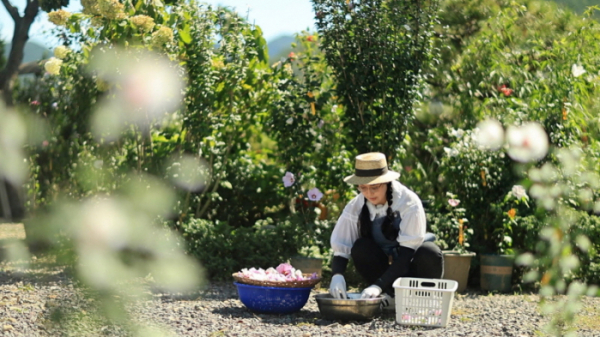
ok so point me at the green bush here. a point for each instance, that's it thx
(224, 249)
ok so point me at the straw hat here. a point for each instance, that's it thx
(371, 168)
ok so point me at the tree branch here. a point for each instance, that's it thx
(12, 10)
(30, 68)
(20, 37)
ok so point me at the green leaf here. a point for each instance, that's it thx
(184, 35)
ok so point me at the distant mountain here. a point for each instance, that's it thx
(33, 51)
(280, 47)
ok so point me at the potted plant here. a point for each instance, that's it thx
(497, 268)
(449, 224)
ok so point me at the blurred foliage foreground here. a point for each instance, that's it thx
(161, 136)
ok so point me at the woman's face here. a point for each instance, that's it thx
(374, 193)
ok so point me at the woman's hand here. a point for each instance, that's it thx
(337, 287)
(371, 291)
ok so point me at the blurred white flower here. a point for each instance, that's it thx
(489, 134)
(451, 152)
(288, 179)
(103, 224)
(519, 192)
(458, 133)
(290, 121)
(577, 70)
(147, 87)
(314, 194)
(528, 142)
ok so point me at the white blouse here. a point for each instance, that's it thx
(412, 226)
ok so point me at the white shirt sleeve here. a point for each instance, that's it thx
(414, 223)
(345, 232)
(412, 228)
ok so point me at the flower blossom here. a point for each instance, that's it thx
(451, 152)
(143, 22)
(162, 36)
(505, 90)
(59, 17)
(147, 87)
(577, 70)
(519, 192)
(528, 142)
(512, 213)
(314, 194)
(288, 179)
(284, 268)
(90, 7)
(61, 52)
(53, 65)
(489, 134)
(112, 9)
(453, 202)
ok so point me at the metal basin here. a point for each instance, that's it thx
(354, 308)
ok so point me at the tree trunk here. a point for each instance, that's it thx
(20, 37)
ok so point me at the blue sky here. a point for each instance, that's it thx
(275, 17)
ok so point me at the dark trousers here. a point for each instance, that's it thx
(372, 263)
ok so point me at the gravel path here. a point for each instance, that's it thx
(39, 299)
(33, 302)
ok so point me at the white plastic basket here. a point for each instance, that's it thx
(425, 302)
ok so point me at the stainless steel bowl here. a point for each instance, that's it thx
(354, 308)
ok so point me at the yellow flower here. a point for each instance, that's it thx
(52, 66)
(162, 36)
(143, 22)
(59, 17)
(111, 9)
(61, 52)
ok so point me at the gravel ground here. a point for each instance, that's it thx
(39, 299)
(33, 302)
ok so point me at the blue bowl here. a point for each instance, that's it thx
(272, 300)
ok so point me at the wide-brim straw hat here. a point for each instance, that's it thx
(371, 168)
